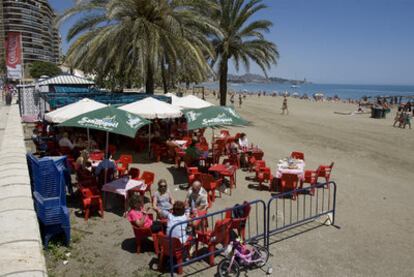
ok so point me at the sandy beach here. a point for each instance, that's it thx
(374, 165)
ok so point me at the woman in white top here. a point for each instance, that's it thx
(243, 142)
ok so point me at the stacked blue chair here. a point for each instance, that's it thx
(49, 192)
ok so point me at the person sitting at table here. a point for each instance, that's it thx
(81, 143)
(162, 200)
(177, 216)
(136, 214)
(243, 142)
(82, 162)
(192, 154)
(233, 147)
(38, 141)
(106, 163)
(65, 141)
(196, 199)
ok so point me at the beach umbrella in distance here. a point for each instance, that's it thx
(190, 102)
(214, 116)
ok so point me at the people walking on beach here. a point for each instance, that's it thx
(406, 120)
(232, 99)
(397, 118)
(240, 100)
(285, 106)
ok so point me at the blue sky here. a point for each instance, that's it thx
(335, 41)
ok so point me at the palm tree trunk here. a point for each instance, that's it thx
(149, 84)
(223, 80)
(164, 76)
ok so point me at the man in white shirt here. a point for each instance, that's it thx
(196, 198)
(243, 142)
(65, 141)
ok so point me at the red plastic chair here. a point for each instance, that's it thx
(289, 182)
(96, 156)
(192, 174)
(178, 250)
(202, 146)
(203, 140)
(141, 233)
(179, 155)
(233, 160)
(123, 163)
(148, 178)
(259, 166)
(188, 140)
(254, 158)
(220, 235)
(134, 173)
(224, 133)
(239, 224)
(236, 137)
(324, 171)
(311, 178)
(219, 149)
(297, 155)
(264, 175)
(91, 197)
(210, 185)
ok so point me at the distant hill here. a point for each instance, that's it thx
(256, 78)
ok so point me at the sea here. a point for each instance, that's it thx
(329, 90)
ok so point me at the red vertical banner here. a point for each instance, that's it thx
(14, 55)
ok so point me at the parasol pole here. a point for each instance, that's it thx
(89, 141)
(212, 143)
(149, 140)
(106, 154)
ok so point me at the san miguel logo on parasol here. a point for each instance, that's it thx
(13, 55)
(105, 123)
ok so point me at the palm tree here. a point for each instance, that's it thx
(241, 39)
(139, 37)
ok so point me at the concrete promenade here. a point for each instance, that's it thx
(21, 251)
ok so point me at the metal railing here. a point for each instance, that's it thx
(255, 229)
(283, 211)
(291, 209)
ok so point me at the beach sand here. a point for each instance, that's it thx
(374, 165)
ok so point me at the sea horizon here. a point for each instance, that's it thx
(343, 91)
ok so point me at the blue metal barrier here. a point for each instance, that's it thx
(312, 202)
(253, 230)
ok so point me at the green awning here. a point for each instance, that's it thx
(109, 119)
(212, 117)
